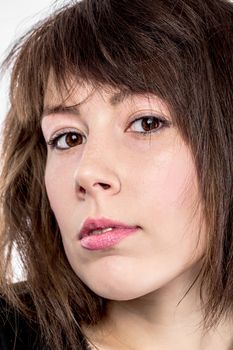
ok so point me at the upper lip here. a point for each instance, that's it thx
(91, 224)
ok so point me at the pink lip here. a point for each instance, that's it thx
(91, 224)
(106, 239)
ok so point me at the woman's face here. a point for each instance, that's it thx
(152, 183)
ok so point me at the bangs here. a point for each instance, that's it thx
(99, 44)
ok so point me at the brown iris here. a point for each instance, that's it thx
(72, 139)
(149, 123)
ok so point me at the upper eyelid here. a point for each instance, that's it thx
(145, 115)
(65, 131)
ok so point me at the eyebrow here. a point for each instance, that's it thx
(114, 100)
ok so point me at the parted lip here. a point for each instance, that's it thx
(91, 224)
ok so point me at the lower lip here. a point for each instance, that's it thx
(106, 239)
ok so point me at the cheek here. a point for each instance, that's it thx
(170, 180)
(170, 199)
(58, 183)
(178, 183)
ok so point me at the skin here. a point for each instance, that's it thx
(152, 183)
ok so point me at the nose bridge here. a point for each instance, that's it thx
(96, 169)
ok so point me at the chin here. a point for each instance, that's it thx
(125, 295)
(114, 290)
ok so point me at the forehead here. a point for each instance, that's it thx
(76, 93)
(82, 91)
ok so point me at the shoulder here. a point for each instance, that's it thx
(16, 332)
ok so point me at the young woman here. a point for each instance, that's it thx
(117, 179)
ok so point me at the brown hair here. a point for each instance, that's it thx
(181, 51)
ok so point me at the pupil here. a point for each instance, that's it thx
(71, 139)
(149, 123)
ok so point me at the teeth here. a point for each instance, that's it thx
(97, 232)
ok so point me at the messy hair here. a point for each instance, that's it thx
(181, 51)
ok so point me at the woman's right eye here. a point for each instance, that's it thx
(65, 140)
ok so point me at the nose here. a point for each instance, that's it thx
(96, 173)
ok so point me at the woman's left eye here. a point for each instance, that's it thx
(150, 124)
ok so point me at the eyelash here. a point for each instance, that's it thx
(163, 123)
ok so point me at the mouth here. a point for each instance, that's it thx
(100, 226)
(99, 231)
(106, 238)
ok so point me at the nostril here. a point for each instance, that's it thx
(82, 190)
(105, 186)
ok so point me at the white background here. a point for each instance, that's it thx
(16, 17)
